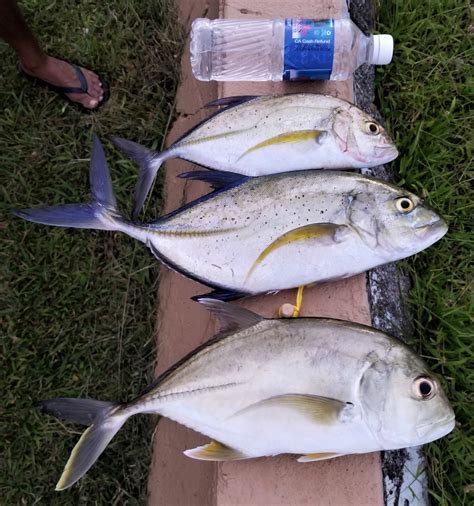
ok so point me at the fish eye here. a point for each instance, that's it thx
(404, 205)
(372, 128)
(424, 388)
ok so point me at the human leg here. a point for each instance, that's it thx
(36, 63)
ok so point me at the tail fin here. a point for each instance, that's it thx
(105, 419)
(97, 214)
(149, 162)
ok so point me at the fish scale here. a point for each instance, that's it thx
(257, 136)
(264, 234)
(299, 360)
(310, 386)
(260, 211)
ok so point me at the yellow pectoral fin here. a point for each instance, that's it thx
(301, 135)
(314, 231)
(214, 451)
(321, 410)
(312, 457)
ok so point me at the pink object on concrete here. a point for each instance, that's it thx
(176, 480)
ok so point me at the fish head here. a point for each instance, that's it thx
(362, 138)
(393, 222)
(403, 402)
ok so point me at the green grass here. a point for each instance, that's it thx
(426, 96)
(78, 307)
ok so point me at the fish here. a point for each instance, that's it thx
(314, 387)
(265, 234)
(263, 135)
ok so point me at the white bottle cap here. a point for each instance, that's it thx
(383, 49)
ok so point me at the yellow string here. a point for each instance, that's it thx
(297, 307)
(299, 301)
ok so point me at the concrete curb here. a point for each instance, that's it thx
(182, 324)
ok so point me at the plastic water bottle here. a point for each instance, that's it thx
(284, 49)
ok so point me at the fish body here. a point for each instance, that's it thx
(271, 134)
(270, 233)
(310, 386)
(275, 358)
(251, 238)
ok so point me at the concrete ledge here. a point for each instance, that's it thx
(183, 324)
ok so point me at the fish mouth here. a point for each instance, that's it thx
(435, 430)
(429, 233)
(434, 230)
(385, 154)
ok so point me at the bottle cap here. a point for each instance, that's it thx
(383, 49)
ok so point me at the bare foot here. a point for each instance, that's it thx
(61, 73)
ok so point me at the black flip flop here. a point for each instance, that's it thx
(83, 88)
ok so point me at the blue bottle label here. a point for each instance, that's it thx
(309, 49)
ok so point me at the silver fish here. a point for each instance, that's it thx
(315, 387)
(265, 234)
(257, 136)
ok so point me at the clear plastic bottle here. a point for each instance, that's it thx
(291, 49)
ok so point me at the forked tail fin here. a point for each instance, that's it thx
(100, 213)
(148, 161)
(105, 419)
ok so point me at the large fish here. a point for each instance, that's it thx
(315, 387)
(264, 234)
(257, 136)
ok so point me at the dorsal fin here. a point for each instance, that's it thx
(216, 178)
(229, 102)
(231, 317)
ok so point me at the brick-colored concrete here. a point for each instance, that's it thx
(183, 324)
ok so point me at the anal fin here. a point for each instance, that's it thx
(214, 451)
(220, 294)
(230, 101)
(313, 457)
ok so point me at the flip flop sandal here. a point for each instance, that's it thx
(82, 89)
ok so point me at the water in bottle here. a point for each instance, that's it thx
(283, 49)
